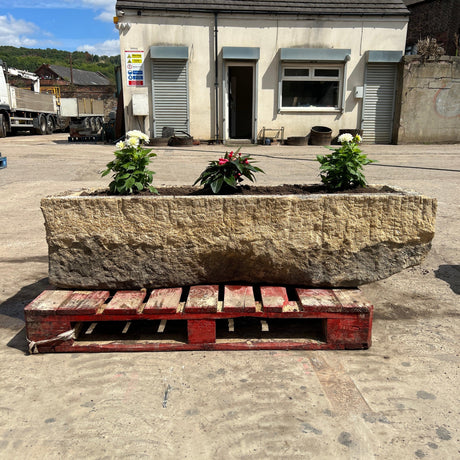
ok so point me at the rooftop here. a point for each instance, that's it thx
(296, 7)
(80, 77)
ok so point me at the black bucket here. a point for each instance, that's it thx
(320, 135)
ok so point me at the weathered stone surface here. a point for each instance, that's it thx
(316, 240)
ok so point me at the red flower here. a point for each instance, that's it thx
(222, 161)
(246, 162)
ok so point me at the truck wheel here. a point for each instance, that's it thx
(41, 125)
(49, 125)
(3, 127)
(93, 126)
(98, 124)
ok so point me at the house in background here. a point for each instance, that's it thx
(225, 70)
(75, 82)
(439, 19)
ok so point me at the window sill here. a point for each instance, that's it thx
(309, 110)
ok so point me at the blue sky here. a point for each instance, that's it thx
(71, 25)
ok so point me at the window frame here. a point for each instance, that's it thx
(311, 66)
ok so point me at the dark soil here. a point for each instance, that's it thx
(286, 189)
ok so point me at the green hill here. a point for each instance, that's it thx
(31, 59)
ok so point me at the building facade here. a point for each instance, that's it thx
(226, 71)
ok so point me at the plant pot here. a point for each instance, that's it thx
(323, 240)
(320, 135)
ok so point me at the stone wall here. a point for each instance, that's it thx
(429, 98)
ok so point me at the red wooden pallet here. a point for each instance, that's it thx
(225, 317)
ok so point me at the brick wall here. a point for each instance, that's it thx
(435, 18)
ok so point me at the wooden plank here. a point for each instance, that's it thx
(274, 298)
(161, 326)
(91, 328)
(354, 332)
(239, 299)
(352, 301)
(83, 303)
(318, 300)
(201, 331)
(124, 303)
(163, 301)
(48, 301)
(202, 299)
(125, 329)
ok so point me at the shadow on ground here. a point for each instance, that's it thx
(14, 306)
(19, 341)
(451, 275)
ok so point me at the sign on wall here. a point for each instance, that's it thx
(135, 67)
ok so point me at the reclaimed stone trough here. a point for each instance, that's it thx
(318, 240)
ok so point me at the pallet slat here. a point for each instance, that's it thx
(318, 299)
(274, 298)
(163, 301)
(83, 303)
(123, 303)
(48, 301)
(239, 299)
(202, 299)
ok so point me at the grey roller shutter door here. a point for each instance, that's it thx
(170, 95)
(379, 96)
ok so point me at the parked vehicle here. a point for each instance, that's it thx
(42, 113)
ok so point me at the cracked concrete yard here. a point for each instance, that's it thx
(399, 399)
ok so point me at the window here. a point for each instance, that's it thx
(311, 87)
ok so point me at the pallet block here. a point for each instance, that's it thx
(211, 317)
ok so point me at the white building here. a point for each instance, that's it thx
(225, 70)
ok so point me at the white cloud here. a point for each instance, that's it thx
(107, 7)
(104, 8)
(107, 48)
(16, 32)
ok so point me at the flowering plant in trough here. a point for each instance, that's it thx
(228, 171)
(130, 173)
(342, 169)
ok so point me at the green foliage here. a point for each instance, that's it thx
(226, 173)
(130, 166)
(342, 169)
(31, 59)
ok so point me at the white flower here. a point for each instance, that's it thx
(139, 135)
(120, 145)
(132, 142)
(347, 137)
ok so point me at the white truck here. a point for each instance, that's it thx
(23, 109)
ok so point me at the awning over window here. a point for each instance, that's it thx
(169, 52)
(241, 52)
(384, 56)
(315, 54)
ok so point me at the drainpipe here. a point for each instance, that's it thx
(216, 76)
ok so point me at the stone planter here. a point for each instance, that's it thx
(100, 242)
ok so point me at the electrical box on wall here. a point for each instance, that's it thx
(359, 92)
(140, 103)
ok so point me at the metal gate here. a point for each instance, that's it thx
(378, 108)
(170, 95)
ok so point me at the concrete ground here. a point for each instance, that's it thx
(399, 399)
